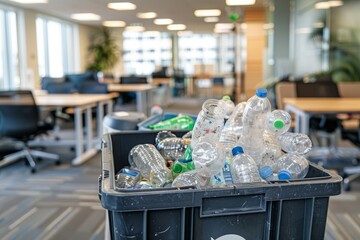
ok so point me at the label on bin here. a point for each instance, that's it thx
(229, 237)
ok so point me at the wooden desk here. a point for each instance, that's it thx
(143, 94)
(303, 108)
(81, 103)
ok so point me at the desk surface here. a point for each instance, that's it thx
(130, 87)
(71, 100)
(325, 105)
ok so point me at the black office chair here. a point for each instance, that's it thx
(89, 87)
(127, 97)
(60, 88)
(19, 120)
(179, 86)
(325, 125)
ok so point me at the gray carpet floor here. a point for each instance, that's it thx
(61, 202)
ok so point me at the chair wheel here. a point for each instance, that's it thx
(33, 170)
(57, 162)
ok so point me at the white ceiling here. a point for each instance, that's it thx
(181, 11)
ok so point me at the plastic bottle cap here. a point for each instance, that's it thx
(284, 175)
(279, 123)
(266, 172)
(237, 150)
(185, 160)
(261, 92)
(226, 98)
(177, 168)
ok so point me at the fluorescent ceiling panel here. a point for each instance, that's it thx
(239, 2)
(163, 21)
(135, 28)
(211, 19)
(146, 15)
(207, 13)
(29, 1)
(122, 6)
(114, 23)
(85, 16)
(176, 27)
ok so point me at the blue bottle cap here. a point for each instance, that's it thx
(237, 150)
(284, 175)
(261, 92)
(266, 172)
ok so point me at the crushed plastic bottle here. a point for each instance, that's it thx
(295, 143)
(227, 105)
(150, 163)
(278, 121)
(235, 122)
(243, 167)
(127, 178)
(292, 166)
(191, 178)
(162, 135)
(208, 156)
(173, 148)
(210, 121)
(254, 118)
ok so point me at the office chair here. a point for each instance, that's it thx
(325, 126)
(19, 120)
(127, 97)
(89, 87)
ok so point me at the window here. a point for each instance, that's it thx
(143, 52)
(9, 49)
(56, 41)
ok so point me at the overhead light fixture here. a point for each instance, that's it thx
(122, 6)
(85, 16)
(163, 21)
(29, 1)
(176, 27)
(207, 13)
(211, 19)
(134, 29)
(223, 27)
(328, 4)
(114, 23)
(239, 2)
(147, 15)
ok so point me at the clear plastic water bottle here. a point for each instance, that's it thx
(162, 135)
(292, 166)
(254, 118)
(150, 163)
(295, 143)
(243, 167)
(173, 148)
(208, 156)
(187, 135)
(210, 121)
(278, 121)
(235, 122)
(272, 151)
(227, 105)
(191, 178)
(127, 178)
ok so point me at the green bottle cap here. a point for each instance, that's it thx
(279, 124)
(226, 98)
(177, 168)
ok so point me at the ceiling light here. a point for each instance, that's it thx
(207, 13)
(336, 3)
(29, 1)
(146, 15)
(85, 16)
(163, 21)
(224, 26)
(135, 29)
(122, 6)
(211, 19)
(176, 27)
(328, 4)
(239, 2)
(114, 23)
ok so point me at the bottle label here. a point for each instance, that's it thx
(227, 173)
(130, 172)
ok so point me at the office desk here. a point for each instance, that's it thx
(143, 94)
(81, 103)
(304, 108)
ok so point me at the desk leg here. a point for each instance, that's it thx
(88, 128)
(141, 103)
(99, 118)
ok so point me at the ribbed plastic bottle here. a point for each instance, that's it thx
(173, 148)
(295, 143)
(243, 167)
(191, 178)
(210, 121)
(147, 159)
(254, 118)
(227, 105)
(278, 122)
(292, 166)
(208, 156)
(162, 135)
(235, 122)
(127, 178)
(272, 151)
